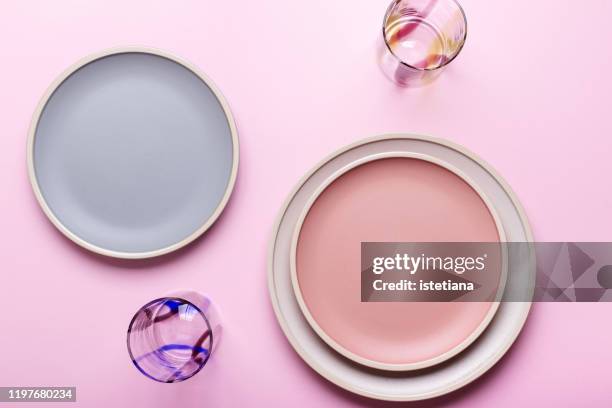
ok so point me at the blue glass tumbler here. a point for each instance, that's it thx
(171, 339)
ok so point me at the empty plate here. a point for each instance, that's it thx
(429, 382)
(132, 153)
(392, 197)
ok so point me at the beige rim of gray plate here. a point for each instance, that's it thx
(220, 117)
(344, 351)
(408, 385)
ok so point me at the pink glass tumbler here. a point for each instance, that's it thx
(420, 38)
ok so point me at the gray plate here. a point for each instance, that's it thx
(132, 153)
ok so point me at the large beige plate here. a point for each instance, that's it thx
(413, 385)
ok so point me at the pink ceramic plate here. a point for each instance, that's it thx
(395, 197)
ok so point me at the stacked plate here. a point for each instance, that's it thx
(393, 188)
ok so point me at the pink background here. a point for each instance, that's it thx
(530, 93)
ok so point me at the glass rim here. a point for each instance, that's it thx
(402, 62)
(164, 299)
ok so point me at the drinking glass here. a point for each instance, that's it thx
(420, 38)
(171, 339)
